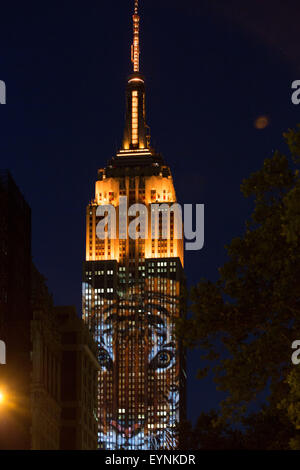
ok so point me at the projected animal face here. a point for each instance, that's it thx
(138, 382)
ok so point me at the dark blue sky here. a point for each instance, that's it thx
(210, 71)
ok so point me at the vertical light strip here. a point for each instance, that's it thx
(135, 119)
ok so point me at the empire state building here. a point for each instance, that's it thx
(132, 289)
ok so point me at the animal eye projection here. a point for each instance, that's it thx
(139, 358)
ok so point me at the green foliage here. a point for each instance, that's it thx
(209, 434)
(290, 405)
(263, 430)
(253, 311)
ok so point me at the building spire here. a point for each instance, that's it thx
(135, 48)
(137, 133)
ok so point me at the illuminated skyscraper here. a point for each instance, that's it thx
(132, 289)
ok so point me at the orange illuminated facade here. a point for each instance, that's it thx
(132, 291)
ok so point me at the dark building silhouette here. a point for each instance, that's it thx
(64, 376)
(15, 313)
(48, 384)
(79, 370)
(46, 369)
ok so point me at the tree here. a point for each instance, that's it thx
(210, 434)
(248, 319)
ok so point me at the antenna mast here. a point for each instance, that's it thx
(135, 48)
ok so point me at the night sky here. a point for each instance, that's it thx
(210, 71)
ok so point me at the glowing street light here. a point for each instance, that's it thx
(2, 397)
